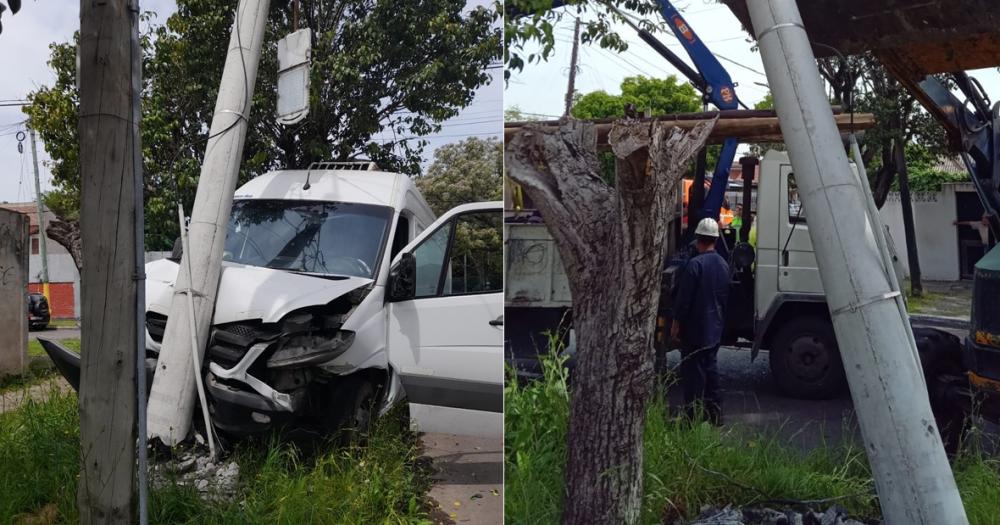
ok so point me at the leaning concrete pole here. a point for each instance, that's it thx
(912, 475)
(171, 401)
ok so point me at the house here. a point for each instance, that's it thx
(64, 279)
(949, 233)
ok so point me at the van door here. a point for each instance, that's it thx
(446, 331)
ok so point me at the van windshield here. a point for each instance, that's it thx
(328, 238)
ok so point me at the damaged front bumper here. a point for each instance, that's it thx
(244, 403)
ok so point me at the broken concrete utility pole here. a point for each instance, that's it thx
(110, 188)
(912, 475)
(171, 402)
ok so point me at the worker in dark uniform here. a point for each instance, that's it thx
(699, 316)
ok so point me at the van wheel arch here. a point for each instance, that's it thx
(349, 404)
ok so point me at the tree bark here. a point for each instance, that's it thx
(67, 234)
(912, 258)
(884, 177)
(611, 243)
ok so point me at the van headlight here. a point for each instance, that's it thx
(307, 350)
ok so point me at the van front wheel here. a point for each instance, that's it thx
(805, 360)
(353, 402)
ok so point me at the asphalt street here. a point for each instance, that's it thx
(751, 400)
(55, 333)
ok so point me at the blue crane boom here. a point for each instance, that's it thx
(715, 84)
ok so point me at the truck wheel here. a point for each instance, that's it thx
(805, 360)
(947, 384)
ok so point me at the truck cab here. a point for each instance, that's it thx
(342, 294)
(776, 299)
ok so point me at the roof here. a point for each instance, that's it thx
(25, 208)
(936, 36)
(367, 187)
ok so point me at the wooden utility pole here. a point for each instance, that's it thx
(574, 57)
(108, 71)
(611, 242)
(43, 237)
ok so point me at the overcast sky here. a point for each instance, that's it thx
(541, 88)
(24, 50)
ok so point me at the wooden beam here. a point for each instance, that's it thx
(752, 129)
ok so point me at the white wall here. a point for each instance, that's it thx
(936, 233)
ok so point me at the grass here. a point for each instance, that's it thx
(40, 367)
(35, 348)
(383, 482)
(922, 303)
(689, 465)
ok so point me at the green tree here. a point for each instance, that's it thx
(660, 96)
(466, 171)
(379, 68)
(532, 21)
(513, 114)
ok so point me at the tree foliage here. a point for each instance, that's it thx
(379, 68)
(658, 96)
(466, 171)
(532, 21)
(862, 83)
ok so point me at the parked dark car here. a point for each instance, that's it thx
(38, 311)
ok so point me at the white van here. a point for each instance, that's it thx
(340, 293)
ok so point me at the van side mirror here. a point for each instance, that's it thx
(402, 278)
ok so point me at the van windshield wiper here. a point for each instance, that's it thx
(330, 276)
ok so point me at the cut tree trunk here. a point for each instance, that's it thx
(611, 243)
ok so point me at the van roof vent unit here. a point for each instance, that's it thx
(353, 165)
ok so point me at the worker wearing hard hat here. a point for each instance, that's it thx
(699, 318)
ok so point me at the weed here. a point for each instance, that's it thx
(382, 482)
(688, 465)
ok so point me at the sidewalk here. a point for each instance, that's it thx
(942, 298)
(468, 484)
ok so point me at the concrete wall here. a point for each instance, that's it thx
(156, 256)
(937, 236)
(14, 248)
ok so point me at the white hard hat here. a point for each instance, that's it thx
(707, 227)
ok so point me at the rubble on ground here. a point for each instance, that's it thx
(768, 516)
(215, 480)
